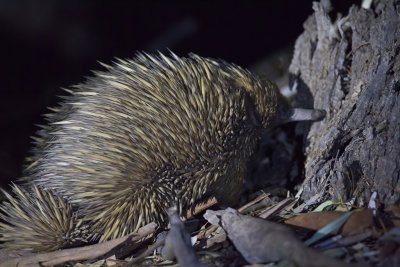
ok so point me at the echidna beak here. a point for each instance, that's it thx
(301, 114)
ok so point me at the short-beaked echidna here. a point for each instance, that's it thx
(144, 135)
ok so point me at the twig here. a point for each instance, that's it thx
(279, 206)
(251, 203)
(200, 207)
(146, 253)
(82, 253)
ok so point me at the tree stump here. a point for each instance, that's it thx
(351, 67)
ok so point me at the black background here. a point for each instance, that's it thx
(46, 45)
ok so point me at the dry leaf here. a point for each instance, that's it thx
(359, 222)
(261, 241)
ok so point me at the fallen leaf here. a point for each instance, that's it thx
(261, 241)
(359, 222)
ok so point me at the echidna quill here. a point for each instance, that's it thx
(144, 135)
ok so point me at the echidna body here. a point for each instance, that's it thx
(132, 141)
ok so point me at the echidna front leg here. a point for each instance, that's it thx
(35, 221)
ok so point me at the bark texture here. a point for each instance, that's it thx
(351, 67)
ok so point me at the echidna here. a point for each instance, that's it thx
(144, 135)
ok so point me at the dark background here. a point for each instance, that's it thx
(46, 45)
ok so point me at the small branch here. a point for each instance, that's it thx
(274, 209)
(146, 253)
(82, 253)
(201, 206)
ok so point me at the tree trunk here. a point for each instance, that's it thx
(352, 69)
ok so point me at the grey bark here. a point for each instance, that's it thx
(351, 67)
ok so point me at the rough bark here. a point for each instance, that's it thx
(351, 67)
